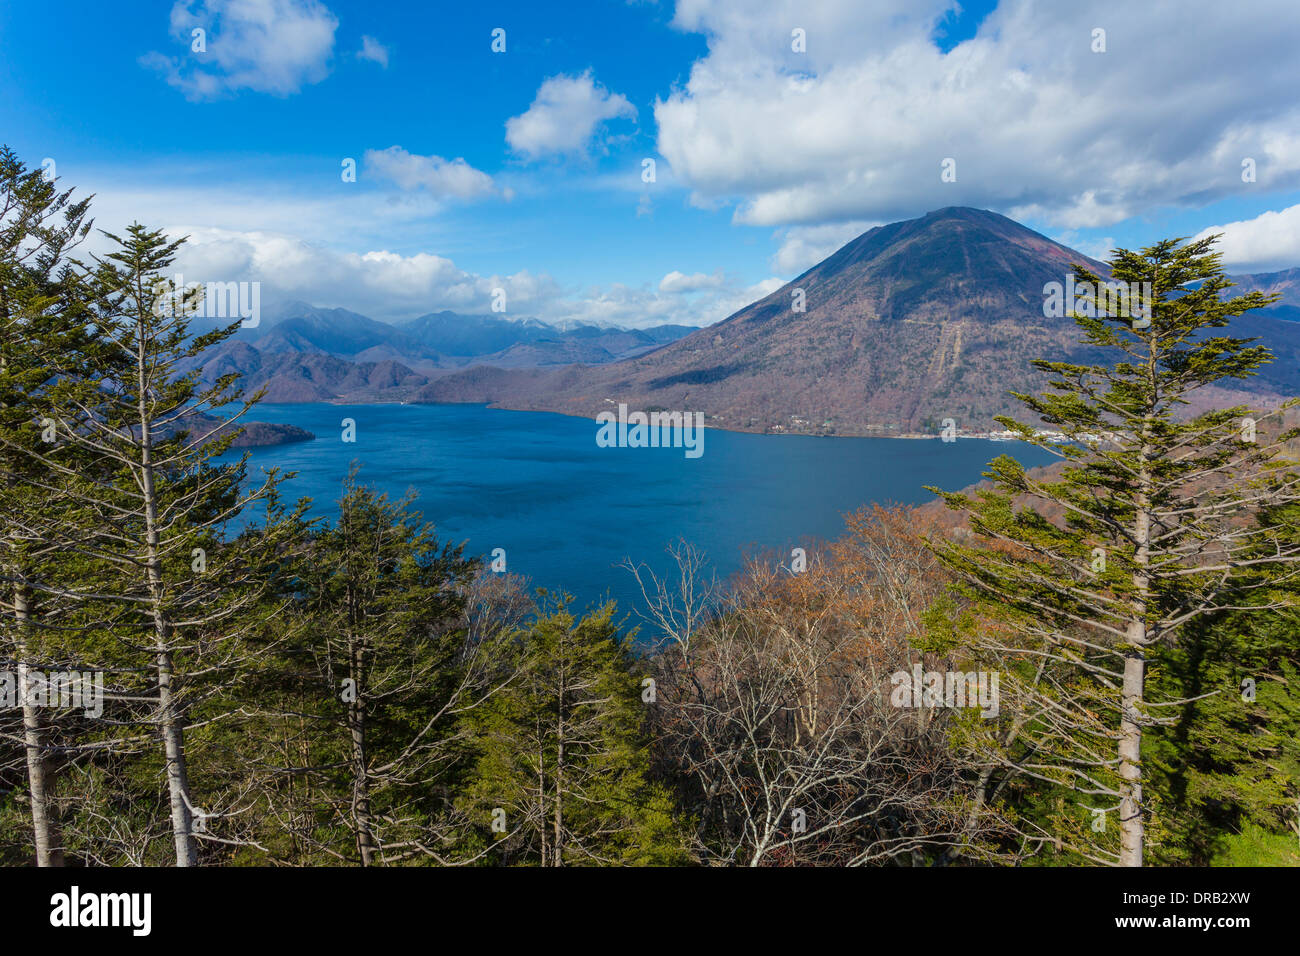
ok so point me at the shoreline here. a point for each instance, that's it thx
(772, 431)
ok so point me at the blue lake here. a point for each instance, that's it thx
(567, 511)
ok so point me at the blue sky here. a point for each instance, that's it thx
(522, 169)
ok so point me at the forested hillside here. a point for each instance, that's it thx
(1093, 665)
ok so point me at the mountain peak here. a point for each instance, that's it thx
(977, 250)
(966, 212)
(908, 324)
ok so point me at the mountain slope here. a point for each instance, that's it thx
(467, 335)
(302, 353)
(337, 332)
(1285, 283)
(906, 325)
(911, 323)
(492, 340)
(312, 376)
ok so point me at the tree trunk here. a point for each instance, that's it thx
(366, 844)
(541, 789)
(1131, 811)
(1130, 755)
(48, 839)
(559, 794)
(178, 784)
(169, 718)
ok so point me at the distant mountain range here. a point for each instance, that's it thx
(1285, 283)
(911, 323)
(906, 325)
(301, 353)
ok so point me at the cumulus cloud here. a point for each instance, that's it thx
(392, 287)
(267, 46)
(641, 307)
(363, 272)
(1268, 243)
(565, 117)
(678, 282)
(1038, 125)
(380, 283)
(159, 198)
(1099, 249)
(440, 177)
(802, 247)
(374, 51)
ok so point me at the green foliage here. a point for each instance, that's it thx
(380, 658)
(1255, 846)
(41, 319)
(1227, 768)
(333, 698)
(946, 626)
(1139, 536)
(563, 751)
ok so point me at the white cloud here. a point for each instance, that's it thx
(678, 282)
(642, 307)
(380, 283)
(1099, 249)
(857, 127)
(267, 46)
(802, 247)
(392, 287)
(441, 177)
(359, 269)
(212, 198)
(1268, 243)
(374, 51)
(564, 116)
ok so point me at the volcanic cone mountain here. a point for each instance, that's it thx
(909, 324)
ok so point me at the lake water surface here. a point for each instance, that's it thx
(567, 511)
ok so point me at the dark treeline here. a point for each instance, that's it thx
(1123, 629)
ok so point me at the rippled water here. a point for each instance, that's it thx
(567, 511)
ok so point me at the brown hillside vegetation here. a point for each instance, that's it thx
(909, 324)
